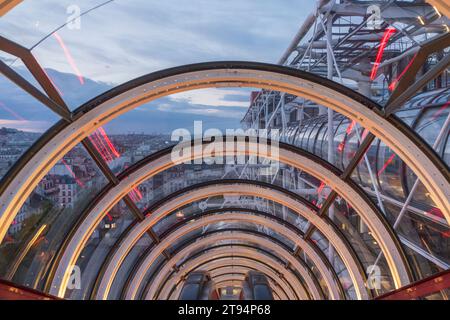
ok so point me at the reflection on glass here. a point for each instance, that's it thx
(337, 263)
(47, 216)
(125, 272)
(94, 253)
(23, 120)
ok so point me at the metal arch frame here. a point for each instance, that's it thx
(256, 191)
(240, 251)
(244, 268)
(11, 214)
(411, 149)
(239, 210)
(442, 5)
(227, 258)
(240, 273)
(279, 220)
(233, 189)
(261, 252)
(239, 264)
(154, 285)
(288, 154)
(218, 211)
(242, 256)
(147, 261)
(238, 270)
(7, 5)
(255, 248)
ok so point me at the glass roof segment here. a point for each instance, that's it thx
(164, 35)
(126, 269)
(28, 23)
(23, 120)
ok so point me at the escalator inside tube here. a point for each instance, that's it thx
(199, 285)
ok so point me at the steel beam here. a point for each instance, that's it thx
(7, 5)
(229, 257)
(308, 163)
(330, 280)
(431, 170)
(265, 243)
(235, 189)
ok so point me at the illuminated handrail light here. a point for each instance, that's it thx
(437, 11)
(384, 41)
(394, 83)
(386, 164)
(72, 173)
(422, 22)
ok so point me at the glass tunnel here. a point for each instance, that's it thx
(246, 150)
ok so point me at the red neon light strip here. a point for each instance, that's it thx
(94, 142)
(104, 146)
(348, 131)
(133, 196)
(54, 85)
(384, 41)
(395, 82)
(15, 115)
(321, 187)
(96, 147)
(441, 109)
(109, 216)
(109, 143)
(106, 155)
(388, 162)
(69, 57)
(72, 173)
(138, 194)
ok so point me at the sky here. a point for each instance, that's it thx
(124, 39)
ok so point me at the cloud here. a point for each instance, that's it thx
(126, 39)
(213, 97)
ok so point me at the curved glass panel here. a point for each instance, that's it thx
(47, 217)
(198, 208)
(167, 121)
(339, 267)
(23, 120)
(185, 176)
(140, 249)
(96, 250)
(88, 51)
(217, 227)
(363, 243)
(429, 126)
(316, 273)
